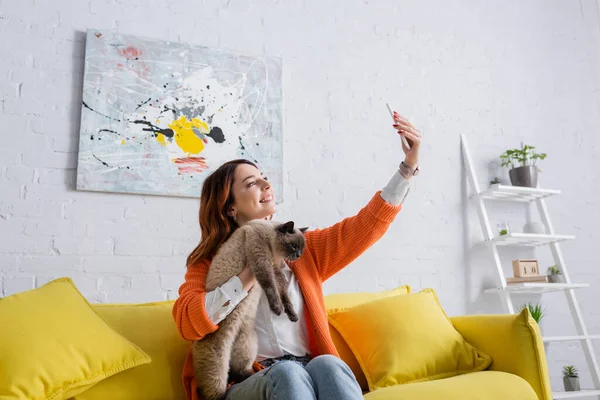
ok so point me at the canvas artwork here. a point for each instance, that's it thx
(158, 117)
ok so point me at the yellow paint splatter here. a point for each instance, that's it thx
(185, 137)
(203, 126)
(123, 141)
(160, 138)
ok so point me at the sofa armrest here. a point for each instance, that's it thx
(515, 344)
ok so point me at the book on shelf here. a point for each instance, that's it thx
(527, 279)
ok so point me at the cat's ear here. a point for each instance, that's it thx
(303, 229)
(288, 227)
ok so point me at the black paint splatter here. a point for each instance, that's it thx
(153, 128)
(174, 111)
(109, 130)
(141, 104)
(217, 135)
(105, 164)
(105, 116)
(241, 144)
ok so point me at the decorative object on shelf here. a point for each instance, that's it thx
(535, 227)
(531, 226)
(159, 116)
(495, 181)
(554, 274)
(526, 173)
(537, 311)
(526, 271)
(525, 268)
(503, 228)
(516, 279)
(571, 378)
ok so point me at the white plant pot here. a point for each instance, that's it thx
(534, 227)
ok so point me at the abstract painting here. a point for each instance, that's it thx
(158, 116)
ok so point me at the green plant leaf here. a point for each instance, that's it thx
(536, 311)
(569, 371)
(554, 270)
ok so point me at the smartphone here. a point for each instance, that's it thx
(402, 137)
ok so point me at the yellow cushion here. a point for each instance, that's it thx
(53, 345)
(151, 327)
(347, 300)
(336, 302)
(484, 385)
(406, 339)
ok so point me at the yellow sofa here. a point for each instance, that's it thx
(518, 370)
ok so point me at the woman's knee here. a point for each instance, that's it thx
(327, 364)
(333, 379)
(288, 371)
(288, 380)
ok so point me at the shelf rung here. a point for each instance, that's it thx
(537, 287)
(528, 239)
(570, 338)
(575, 395)
(516, 193)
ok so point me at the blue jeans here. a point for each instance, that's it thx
(324, 377)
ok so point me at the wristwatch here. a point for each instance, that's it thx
(406, 170)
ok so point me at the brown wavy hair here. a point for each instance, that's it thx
(216, 198)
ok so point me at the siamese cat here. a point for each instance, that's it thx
(231, 350)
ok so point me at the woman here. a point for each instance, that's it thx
(295, 360)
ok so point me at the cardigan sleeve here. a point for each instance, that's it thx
(335, 247)
(189, 312)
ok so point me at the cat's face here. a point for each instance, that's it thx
(290, 241)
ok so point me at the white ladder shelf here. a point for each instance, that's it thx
(537, 195)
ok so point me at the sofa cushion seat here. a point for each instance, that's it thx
(484, 385)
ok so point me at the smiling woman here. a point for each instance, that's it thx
(252, 195)
(295, 360)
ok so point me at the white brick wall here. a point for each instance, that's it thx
(499, 72)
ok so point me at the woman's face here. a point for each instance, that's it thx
(252, 194)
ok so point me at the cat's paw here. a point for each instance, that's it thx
(277, 308)
(292, 315)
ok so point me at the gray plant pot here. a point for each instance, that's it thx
(571, 384)
(555, 278)
(524, 176)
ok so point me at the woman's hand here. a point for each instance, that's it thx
(413, 136)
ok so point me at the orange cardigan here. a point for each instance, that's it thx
(327, 251)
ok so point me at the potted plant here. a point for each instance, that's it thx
(554, 274)
(503, 228)
(536, 311)
(570, 378)
(495, 181)
(525, 159)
